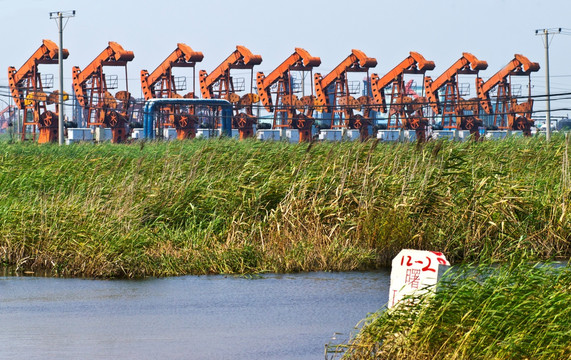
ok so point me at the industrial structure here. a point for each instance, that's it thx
(334, 94)
(405, 111)
(7, 117)
(27, 90)
(455, 111)
(161, 83)
(330, 104)
(509, 114)
(101, 108)
(219, 84)
(289, 110)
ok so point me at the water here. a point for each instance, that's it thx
(189, 317)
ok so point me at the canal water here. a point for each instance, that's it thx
(288, 316)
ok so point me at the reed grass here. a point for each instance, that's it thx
(515, 311)
(222, 206)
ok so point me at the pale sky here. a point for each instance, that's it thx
(492, 30)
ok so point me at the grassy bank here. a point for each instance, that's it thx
(224, 206)
(516, 311)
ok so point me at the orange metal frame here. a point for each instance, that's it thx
(454, 106)
(286, 104)
(241, 58)
(183, 121)
(27, 91)
(509, 114)
(182, 56)
(415, 63)
(343, 103)
(4, 122)
(91, 91)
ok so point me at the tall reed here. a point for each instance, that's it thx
(518, 310)
(221, 206)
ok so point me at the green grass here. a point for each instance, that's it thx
(515, 311)
(222, 206)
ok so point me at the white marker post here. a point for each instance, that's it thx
(415, 272)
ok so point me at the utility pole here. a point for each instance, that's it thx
(546, 33)
(59, 16)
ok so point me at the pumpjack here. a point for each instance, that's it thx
(289, 110)
(333, 94)
(101, 108)
(161, 83)
(219, 84)
(28, 93)
(405, 111)
(509, 115)
(456, 112)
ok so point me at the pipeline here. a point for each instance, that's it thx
(150, 107)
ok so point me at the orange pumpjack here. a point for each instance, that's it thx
(28, 93)
(454, 108)
(100, 107)
(161, 84)
(404, 108)
(289, 111)
(343, 103)
(219, 84)
(518, 116)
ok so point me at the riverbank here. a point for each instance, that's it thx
(222, 206)
(518, 310)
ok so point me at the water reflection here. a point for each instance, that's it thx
(190, 317)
